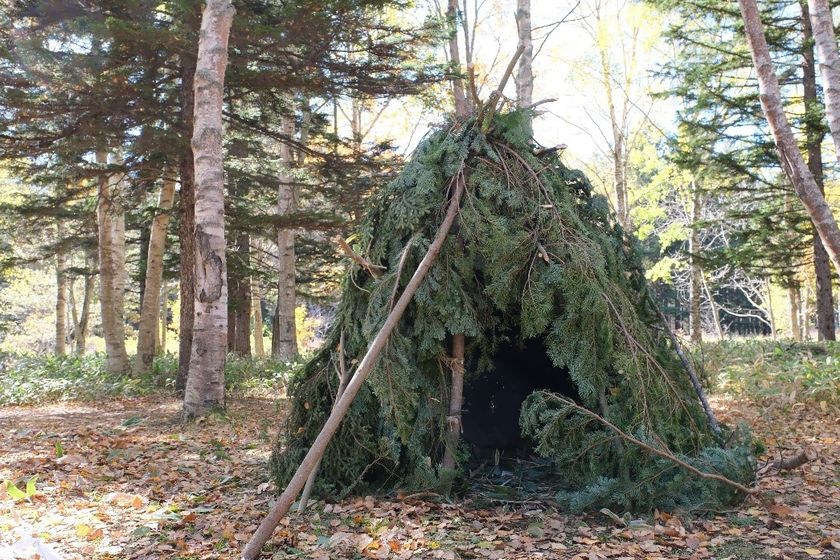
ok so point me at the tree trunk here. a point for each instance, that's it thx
(458, 92)
(164, 313)
(793, 307)
(822, 29)
(150, 310)
(814, 134)
(456, 401)
(233, 284)
(525, 71)
(284, 335)
(186, 227)
(118, 249)
(61, 297)
(143, 264)
(205, 389)
(319, 446)
(256, 306)
(771, 315)
(790, 157)
(618, 150)
(713, 306)
(113, 329)
(695, 321)
(82, 326)
(242, 333)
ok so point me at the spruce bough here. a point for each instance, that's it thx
(535, 255)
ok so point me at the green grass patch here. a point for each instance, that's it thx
(27, 379)
(780, 370)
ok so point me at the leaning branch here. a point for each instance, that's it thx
(375, 270)
(319, 446)
(692, 374)
(658, 452)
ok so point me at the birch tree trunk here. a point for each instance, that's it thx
(61, 298)
(284, 334)
(164, 312)
(822, 28)
(458, 92)
(150, 310)
(242, 316)
(713, 306)
(118, 247)
(618, 125)
(770, 312)
(790, 157)
(256, 307)
(525, 71)
(82, 325)
(814, 135)
(695, 295)
(205, 390)
(113, 329)
(793, 308)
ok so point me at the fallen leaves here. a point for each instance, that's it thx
(135, 484)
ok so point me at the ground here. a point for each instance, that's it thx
(127, 479)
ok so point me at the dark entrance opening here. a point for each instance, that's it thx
(493, 400)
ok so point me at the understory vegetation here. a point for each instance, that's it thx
(783, 371)
(29, 379)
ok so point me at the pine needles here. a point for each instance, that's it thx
(535, 256)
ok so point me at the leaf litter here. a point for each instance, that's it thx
(130, 481)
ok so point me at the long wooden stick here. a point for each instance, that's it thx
(319, 446)
(343, 380)
(692, 374)
(664, 454)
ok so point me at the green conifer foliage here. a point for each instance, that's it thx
(535, 254)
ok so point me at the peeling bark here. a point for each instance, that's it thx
(822, 28)
(150, 309)
(814, 135)
(790, 157)
(205, 389)
(113, 329)
(525, 71)
(284, 335)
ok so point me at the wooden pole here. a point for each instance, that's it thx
(456, 400)
(319, 446)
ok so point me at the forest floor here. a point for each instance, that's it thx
(126, 479)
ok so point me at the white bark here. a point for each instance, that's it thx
(149, 312)
(525, 71)
(462, 107)
(770, 313)
(696, 284)
(256, 308)
(205, 389)
(164, 301)
(110, 275)
(793, 308)
(826, 44)
(61, 299)
(284, 340)
(789, 155)
(81, 320)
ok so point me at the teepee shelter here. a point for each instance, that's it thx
(487, 252)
